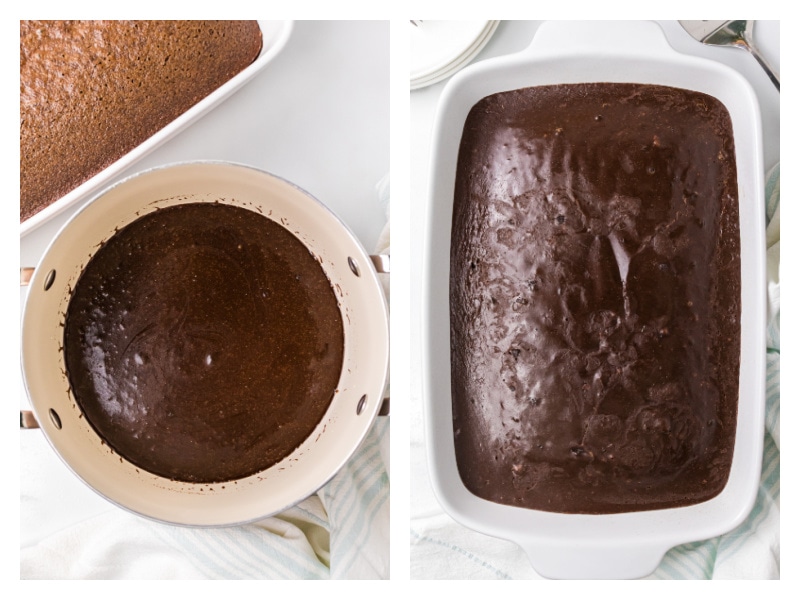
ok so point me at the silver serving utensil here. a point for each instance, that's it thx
(730, 33)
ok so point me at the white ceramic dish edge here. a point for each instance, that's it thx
(275, 35)
(628, 545)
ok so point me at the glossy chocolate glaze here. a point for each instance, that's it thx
(203, 342)
(595, 298)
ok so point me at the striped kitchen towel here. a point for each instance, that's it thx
(752, 550)
(342, 532)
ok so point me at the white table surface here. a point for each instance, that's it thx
(318, 116)
(329, 133)
(511, 37)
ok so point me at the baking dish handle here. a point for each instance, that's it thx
(594, 562)
(598, 37)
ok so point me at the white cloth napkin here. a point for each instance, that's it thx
(443, 549)
(342, 532)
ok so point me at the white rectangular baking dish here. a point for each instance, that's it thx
(626, 545)
(274, 34)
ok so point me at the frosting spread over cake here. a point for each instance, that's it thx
(595, 298)
(203, 342)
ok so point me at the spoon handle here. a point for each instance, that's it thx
(746, 36)
(765, 65)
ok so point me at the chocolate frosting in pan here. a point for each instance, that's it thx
(203, 342)
(595, 298)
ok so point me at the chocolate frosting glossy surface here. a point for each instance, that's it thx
(203, 342)
(595, 298)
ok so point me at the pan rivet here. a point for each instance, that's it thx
(48, 281)
(55, 418)
(361, 404)
(353, 266)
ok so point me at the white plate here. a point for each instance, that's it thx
(274, 34)
(439, 48)
(625, 545)
(460, 62)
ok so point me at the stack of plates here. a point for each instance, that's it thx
(440, 48)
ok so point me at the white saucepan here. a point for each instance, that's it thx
(366, 348)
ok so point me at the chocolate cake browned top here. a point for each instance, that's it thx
(595, 298)
(203, 342)
(91, 91)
